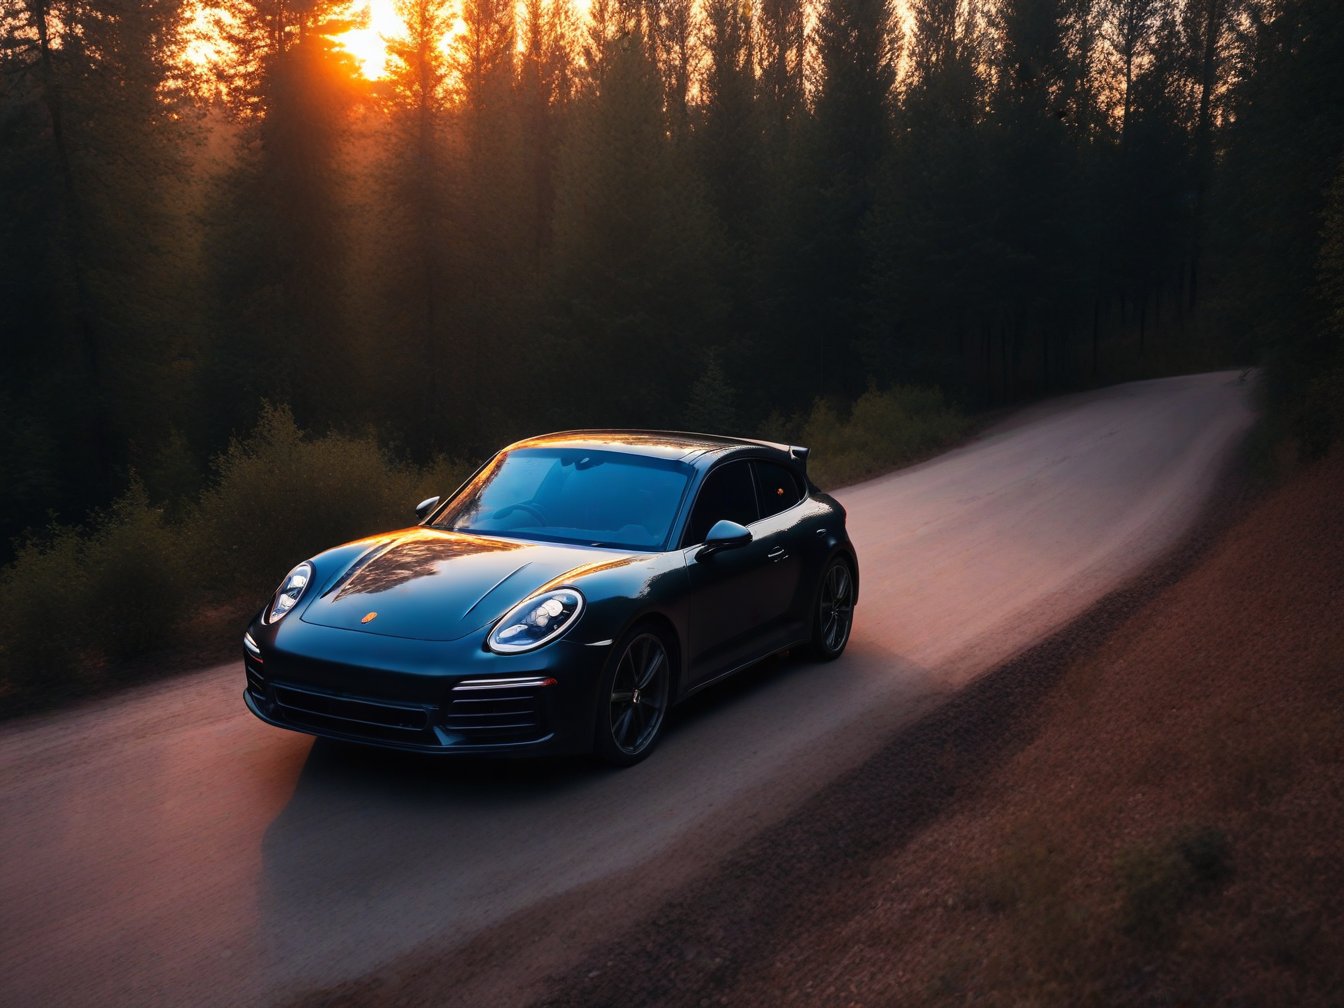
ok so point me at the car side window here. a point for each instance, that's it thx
(727, 494)
(777, 488)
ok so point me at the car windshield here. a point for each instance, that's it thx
(573, 495)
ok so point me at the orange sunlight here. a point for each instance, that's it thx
(366, 44)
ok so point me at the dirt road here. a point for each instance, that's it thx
(167, 848)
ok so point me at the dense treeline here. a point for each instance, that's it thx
(691, 213)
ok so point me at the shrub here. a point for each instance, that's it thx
(710, 409)
(75, 598)
(1318, 415)
(883, 430)
(40, 591)
(140, 581)
(279, 497)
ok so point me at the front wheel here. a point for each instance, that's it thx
(633, 700)
(834, 613)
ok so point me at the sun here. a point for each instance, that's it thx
(369, 48)
(366, 44)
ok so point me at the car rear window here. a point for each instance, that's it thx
(777, 488)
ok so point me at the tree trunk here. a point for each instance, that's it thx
(1204, 135)
(1096, 335)
(74, 240)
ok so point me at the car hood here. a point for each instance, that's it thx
(431, 584)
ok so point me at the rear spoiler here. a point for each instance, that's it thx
(800, 453)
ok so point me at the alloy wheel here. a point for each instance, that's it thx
(639, 691)
(836, 614)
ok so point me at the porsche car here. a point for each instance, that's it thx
(562, 600)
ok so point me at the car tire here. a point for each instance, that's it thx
(634, 696)
(833, 611)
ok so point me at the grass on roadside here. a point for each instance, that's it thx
(1172, 834)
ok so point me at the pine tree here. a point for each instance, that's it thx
(850, 133)
(674, 27)
(483, 55)
(730, 133)
(636, 275)
(1279, 167)
(1036, 182)
(547, 83)
(730, 155)
(280, 327)
(781, 54)
(928, 230)
(1129, 32)
(91, 139)
(416, 352)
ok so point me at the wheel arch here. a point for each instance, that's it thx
(845, 550)
(853, 559)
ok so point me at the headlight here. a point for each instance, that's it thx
(536, 621)
(290, 591)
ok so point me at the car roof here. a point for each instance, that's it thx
(681, 446)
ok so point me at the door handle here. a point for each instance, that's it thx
(777, 554)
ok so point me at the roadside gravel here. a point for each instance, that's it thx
(769, 926)
(1016, 846)
(980, 856)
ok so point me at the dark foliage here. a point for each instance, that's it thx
(667, 212)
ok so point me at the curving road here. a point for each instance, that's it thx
(168, 848)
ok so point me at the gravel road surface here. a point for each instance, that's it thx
(167, 848)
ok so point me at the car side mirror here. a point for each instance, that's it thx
(425, 507)
(724, 535)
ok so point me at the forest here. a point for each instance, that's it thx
(701, 214)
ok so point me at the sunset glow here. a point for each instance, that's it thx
(367, 44)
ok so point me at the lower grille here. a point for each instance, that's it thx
(495, 714)
(256, 685)
(348, 713)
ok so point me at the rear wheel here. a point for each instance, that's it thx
(634, 697)
(834, 614)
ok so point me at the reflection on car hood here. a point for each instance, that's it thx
(432, 584)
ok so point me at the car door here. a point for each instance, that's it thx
(778, 492)
(731, 596)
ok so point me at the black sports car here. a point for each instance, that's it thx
(563, 599)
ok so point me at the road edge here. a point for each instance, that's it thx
(700, 934)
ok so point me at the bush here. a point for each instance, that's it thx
(39, 591)
(279, 497)
(74, 599)
(140, 582)
(884, 430)
(710, 409)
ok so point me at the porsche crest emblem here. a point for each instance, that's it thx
(369, 618)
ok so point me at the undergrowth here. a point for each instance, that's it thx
(78, 603)
(881, 431)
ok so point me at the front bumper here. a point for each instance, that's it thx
(423, 696)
